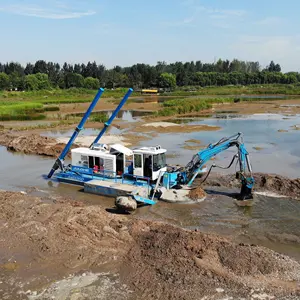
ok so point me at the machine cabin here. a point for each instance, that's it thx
(113, 161)
(149, 162)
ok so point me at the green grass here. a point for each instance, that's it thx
(23, 111)
(51, 108)
(30, 105)
(59, 124)
(257, 89)
(53, 96)
(99, 117)
(184, 106)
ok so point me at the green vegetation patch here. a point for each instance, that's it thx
(99, 117)
(21, 111)
(184, 106)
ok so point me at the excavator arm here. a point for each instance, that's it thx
(188, 174)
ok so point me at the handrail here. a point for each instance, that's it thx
(137, 177)
(102, 172)
(90, 171)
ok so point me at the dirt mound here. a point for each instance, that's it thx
(263, 182)
(170, 263)
(32, 144)
(50, 230)
(196, 193)
(157, 261)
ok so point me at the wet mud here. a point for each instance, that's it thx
(263, 183)
(162, 127)
(32, 144)
(45, 240)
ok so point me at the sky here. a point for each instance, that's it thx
(119, 32)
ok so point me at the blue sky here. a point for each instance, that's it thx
(119, 32)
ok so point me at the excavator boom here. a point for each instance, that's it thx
(188, 174)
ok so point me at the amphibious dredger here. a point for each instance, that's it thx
(142, 175)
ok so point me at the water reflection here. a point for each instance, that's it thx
(125, 115)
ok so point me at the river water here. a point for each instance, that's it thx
(271, 140)
(272, 222)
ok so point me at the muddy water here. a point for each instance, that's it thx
(270, 149)
(125, 115)
(20, 172)
(271, 140)
(272, 222)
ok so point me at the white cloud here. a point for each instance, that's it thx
(223, 13)
(270, 21)
(213, 11)
(59, 11)
(221, 18)
(186, 21)
(284, 50)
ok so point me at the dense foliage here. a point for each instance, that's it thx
(45, 75)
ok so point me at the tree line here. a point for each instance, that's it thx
(46, 75)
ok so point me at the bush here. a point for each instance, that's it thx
(99, 117)
(51, 108)
(91, 83)
(184, 106)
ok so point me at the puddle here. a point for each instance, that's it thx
(85, 286)
(125, 115)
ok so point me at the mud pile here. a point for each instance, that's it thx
(263, 182)
(66, 231)
(197, 193)
(32, 144)
(166, 262)
(43, 240)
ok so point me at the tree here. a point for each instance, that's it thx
(77, 69)
(29, 69)
(91, 83)
(14, 67)
(73, 80)
(43, 81)
(221, 72)
(16, 81)
(37, 81)
(31, 82)
(40, 67)
(53, 73)
(273, 67)
(4, 81)
(167, 80)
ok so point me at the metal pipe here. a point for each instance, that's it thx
(59, 162)
(107, 124)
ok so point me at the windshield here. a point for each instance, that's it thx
(159, 161)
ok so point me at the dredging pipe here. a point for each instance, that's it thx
(59, 162)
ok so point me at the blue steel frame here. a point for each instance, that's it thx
(107, 124)
(59, 162)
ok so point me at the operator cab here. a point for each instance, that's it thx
(112, 161)
(149, 162)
